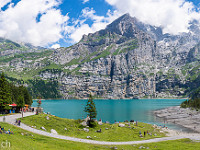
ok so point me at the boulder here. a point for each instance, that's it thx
(47, 117)
(84, 123)
(100, 123)
(114, 147)
(86, 130)
(121, 125)
(54, 131)
(43, 128)
(141, 147)
(107, 122)
(87, 119)
(88, 137)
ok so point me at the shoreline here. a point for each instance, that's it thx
(119, 99)
(187, 118)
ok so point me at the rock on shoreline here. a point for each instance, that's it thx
(185, 117)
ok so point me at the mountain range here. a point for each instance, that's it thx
(128, 59)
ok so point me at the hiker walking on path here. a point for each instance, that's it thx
(4, 118)
(19, 122)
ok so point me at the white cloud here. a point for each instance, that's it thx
(55, 46)
(20, 23)
(99, 22)
(85, 1)
(79, 32)
(4, 2)
(173, 15)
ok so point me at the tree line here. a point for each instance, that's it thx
(44, 89)
(193, 101)
(10, 93)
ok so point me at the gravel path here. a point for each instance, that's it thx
(11, 119)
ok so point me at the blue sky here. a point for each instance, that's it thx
(55, 23)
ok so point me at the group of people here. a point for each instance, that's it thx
(30, 109)
(145, 133)
(2, 130)
(18, 122)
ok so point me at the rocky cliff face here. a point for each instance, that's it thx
(128, 59)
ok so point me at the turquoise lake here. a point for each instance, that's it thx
(112, 110)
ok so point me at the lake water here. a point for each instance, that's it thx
(112, 110)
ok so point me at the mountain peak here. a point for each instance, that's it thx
(125, 18)
(123, 24)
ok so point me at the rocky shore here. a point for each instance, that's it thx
(187, 118)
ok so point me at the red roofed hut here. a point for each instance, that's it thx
(14, 106)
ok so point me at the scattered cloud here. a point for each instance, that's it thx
(41, 23)
(85, 1)
(36, 22)
(55, 46)
(173, 15)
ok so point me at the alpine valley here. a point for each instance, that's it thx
(129, 59)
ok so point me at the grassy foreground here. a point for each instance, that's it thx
(24, 140)
(110, 132)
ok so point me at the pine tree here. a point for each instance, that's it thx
(20, 101)
(27, 97)
(91, 111)
(5, 93)
(14, 92)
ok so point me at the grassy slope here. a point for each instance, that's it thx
(114, 133)
(30, 141)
